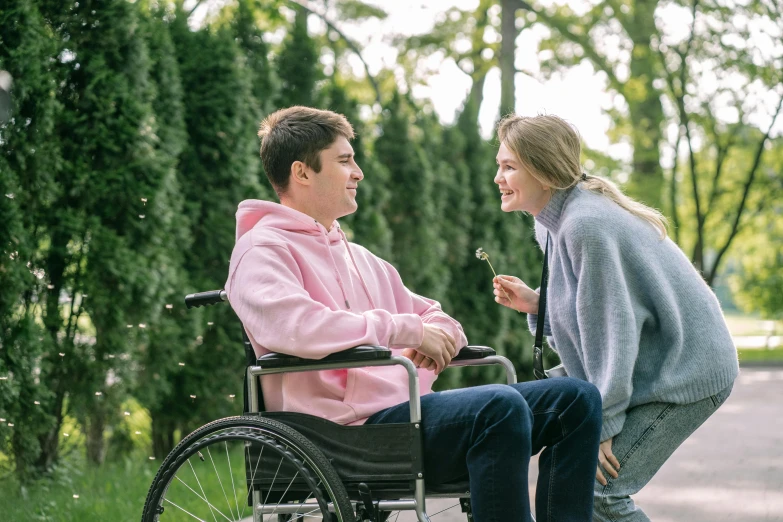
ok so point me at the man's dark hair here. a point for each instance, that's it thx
(298, 134)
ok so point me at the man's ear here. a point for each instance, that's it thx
(300, 173)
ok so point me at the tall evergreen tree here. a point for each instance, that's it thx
(418, 244)
(29, 160)
(218, 168)
(169, 333)
(265, 84)
(264, 81)
(115, 172)
(454, 203)
(297, 65)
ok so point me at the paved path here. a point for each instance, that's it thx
(731, 469)
(758, 341)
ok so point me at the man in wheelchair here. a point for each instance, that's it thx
(300, 288)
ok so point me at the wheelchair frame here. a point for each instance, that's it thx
(418, 503)
(363, 356)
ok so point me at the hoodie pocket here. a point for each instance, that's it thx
(368, 391)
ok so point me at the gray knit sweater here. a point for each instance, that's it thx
(628, 311)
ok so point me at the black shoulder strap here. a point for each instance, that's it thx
(538, 350)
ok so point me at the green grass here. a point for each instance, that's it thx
(760, 355)
(116, 491)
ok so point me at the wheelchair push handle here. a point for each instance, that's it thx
(205, 298)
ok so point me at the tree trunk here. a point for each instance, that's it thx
(508, 34)
(475, 98)
(95, 440)
(53, 323)
(49, 441)
(646, 111)
(162, 435)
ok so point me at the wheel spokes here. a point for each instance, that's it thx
(231, 472)
(221, 483)
(295, 488)
(202, 492)
(185, 510)
(202, 498)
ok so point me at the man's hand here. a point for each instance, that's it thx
(522, 297)
(419, 359)
(436, 350)
(608, 461)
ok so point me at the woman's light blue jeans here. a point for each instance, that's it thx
(650, 435)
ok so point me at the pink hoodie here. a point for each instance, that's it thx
(301, 290)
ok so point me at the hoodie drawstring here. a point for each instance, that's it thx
(334, 266)
(356, 267)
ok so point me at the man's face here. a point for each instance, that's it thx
(334, 188)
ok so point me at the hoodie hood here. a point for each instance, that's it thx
(254, 212)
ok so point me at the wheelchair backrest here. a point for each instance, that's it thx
(218, 296)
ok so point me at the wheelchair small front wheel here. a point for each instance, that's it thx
(246, 469)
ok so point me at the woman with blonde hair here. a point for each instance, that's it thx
(628, 312)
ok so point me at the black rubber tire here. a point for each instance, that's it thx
(343, 510)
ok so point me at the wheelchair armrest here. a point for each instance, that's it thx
(356, 354)
(469, 353)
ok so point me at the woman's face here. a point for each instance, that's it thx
(518, 189)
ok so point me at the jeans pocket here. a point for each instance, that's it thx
(647, 432)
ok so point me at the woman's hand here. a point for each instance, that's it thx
(608, 461)
(522, 297)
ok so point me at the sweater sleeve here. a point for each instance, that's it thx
(267, 293)
(608, 331)
(532, 322)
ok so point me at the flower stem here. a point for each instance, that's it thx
(501, 286)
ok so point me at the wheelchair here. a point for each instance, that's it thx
(286, 466)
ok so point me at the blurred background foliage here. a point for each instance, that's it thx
(131, 136)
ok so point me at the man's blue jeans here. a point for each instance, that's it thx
(487, 434)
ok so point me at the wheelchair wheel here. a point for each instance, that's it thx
(220, 471)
